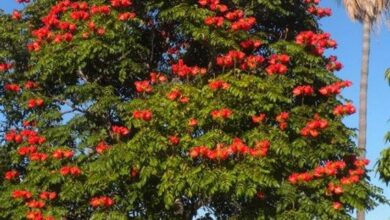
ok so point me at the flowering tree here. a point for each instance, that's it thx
(154, 109)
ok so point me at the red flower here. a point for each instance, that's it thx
(16, 15)
(234, 15)
(21, 194)
(192, 122)
(31, 85)
(11, 175)
(333, 64)
(70, 170)
(34, 215)
(182, 70)
(48, 195)
(347, 109)
(221, 113)
(218, 84)
(145, 115)
(316, 42)
(244, 24)
(303, 90)
(62, 154)
(12, 87)
(174, 140)
(313, 127)
(158, 77)
(215, 21)
(120, 130)
(102, 147)
(251, 44)
(37, 204)
(258, 118)
(38, 156)
(27, 150)
(126, 16)
(143, 86)
(335, 88)
(5, 67)
(121, 3)
(337, 205)
(102, 201)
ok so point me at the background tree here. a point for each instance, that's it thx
(155, 109)
(367, 13)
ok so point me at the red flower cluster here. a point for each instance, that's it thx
(257, 119)
(214, 20)
(277, 64)
(35, 204)
(145, 115)
(192, 122)
(251, 44)
(121, 3)
(31, 85)
(16, 15)
(12, 87)
(62, 154)
(176, 95)
(336, 168)
(102, 147)
(331, 168)
(333, 64)
(32, 103)
(182, 70)
(244, 24)
(5, 67)
(306, 90)
(334, 189)
(237, 147)
(143, 86)
(11, 175)
(158, 77)
(282, 120)
(174, 140)
(314, 127)
(126, 16)
(57, 31)
(214, 5)
(27, 150)
(316, 42)
(335, 88)
(31, 136)
(70, 170)
(38, 156)
(37, 215)
(48, 195)
(252, 62)
(120, 130)
(347, 109)
(102, 201)
(21, 194)
(320, 12)
(224, 113)
(218, 84)
(234, 15)
(231, 58)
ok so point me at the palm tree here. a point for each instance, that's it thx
(366, 12)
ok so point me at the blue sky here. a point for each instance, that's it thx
(348, 34)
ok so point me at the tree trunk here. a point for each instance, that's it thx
(363, 96)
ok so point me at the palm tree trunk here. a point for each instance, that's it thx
(363, 96)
